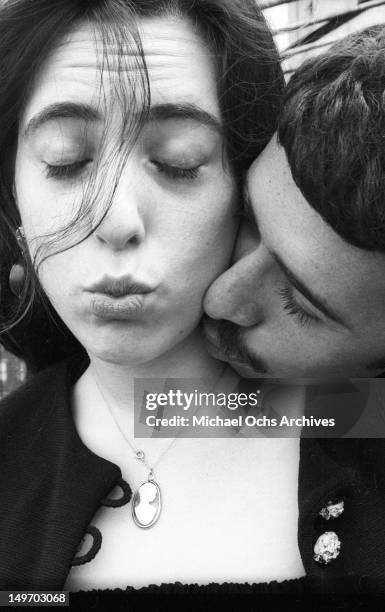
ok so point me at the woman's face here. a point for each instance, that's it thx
(133, 289)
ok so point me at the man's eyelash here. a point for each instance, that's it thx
(295, 310)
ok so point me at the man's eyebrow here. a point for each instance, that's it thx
(162, 112)
(59, 110)
(318, 302)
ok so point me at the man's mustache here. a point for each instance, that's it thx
(231, 343)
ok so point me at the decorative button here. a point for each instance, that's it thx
(112, 502)
(327, 548)
(95, 547)
(333, 509)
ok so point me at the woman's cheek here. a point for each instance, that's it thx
(206, 248)
(44, 207)
(219, 229)
(57, 275)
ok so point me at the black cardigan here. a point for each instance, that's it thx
(51, 485)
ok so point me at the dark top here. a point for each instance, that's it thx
(51, 486)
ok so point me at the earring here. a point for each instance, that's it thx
(17, 272)
(20, 237)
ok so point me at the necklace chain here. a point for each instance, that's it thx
(139, 454)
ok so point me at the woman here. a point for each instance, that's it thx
(130, 126)
(248, 81)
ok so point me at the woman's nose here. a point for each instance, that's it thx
(238, 294)
(124, 226)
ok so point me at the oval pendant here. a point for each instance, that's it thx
(146, 504)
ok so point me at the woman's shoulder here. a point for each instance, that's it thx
(38, 436)
(47, 476)
(29, 406)
(32, 392)
(26, 399)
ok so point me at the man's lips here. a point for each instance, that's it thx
(214, 350)
(224, 343)
(214, 346)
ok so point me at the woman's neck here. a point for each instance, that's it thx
(189, 359)
(103, 397)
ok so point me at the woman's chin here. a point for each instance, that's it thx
(121, 357)
(128, 353)
(118, 353)
(135, 347)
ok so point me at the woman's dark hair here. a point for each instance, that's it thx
(332, 127)
(249, 87)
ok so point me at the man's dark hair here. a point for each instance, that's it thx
(332, 127)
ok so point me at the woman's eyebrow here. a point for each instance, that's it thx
(59, 110)
(85, 112)
(184, 110)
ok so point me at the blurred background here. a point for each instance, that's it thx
(302, 28)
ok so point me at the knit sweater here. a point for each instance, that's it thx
(51, 486)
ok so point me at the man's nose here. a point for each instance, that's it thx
(124, 225)
(237, 295)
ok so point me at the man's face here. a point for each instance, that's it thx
(298, 300)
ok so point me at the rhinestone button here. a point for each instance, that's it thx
(333, 509)
(327, 548)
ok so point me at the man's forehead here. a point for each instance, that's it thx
(273, 167)
(353, 279)
(279, 204)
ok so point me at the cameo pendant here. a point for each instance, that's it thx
(146, 504)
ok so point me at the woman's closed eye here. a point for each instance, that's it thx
(66, 171)
(293, 309)
(175, 172)
(74, 169)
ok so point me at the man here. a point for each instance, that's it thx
(306, 293)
